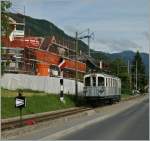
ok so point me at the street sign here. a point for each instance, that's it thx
(20, 102)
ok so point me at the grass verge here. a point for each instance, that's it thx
(37, 102)
(125, 93)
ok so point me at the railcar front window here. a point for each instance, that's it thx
(87, 81)
(94, 81)
(100, 81)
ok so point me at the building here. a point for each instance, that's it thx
(38, 55)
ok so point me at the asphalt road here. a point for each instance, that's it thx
(132, 124)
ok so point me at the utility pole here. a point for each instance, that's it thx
(76, 76)
(136, 77)
(76, 57)
(89, 40)
(130, 81)
(24, 24)
(128, 67)
(24, 39)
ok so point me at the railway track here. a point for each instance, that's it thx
(16, 123)
(7, 125)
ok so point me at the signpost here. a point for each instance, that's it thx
(20, 102)
(61, 89)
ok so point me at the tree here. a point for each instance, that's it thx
(119, 67)
(5, 23)
(141, 75)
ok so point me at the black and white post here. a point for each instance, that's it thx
(61, 87)
(61, 65)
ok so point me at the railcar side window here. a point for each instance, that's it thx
(113, 82)
(107, 82)
(100, 81)
(94, 80)
(87, 81)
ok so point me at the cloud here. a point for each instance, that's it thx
(112, 46)
(117, 24)
(70, 29)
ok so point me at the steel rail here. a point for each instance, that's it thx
(52, 116)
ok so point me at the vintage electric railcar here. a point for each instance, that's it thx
(102, 86)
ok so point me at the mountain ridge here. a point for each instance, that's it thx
(42, 27)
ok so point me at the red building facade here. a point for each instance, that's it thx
(42, 56)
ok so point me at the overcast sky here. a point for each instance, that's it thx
(118, 25)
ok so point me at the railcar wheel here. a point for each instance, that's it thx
(110, 101)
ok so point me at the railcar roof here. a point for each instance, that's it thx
(101, 74)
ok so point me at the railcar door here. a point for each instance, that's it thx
(94, 86)
(87, 81)
(101, 86)
(94, 81)
(87, 86)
